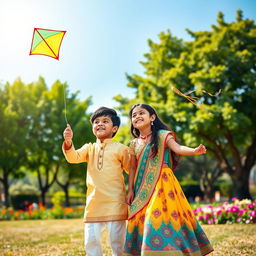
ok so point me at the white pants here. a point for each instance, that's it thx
(116, 233)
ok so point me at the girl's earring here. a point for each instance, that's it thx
(152, 123)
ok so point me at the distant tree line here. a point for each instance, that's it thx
(32, 123)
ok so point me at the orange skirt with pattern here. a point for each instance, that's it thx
(167, 225)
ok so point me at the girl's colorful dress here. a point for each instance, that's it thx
(161, 221)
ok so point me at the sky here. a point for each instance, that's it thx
(104, 39)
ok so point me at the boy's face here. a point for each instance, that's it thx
(103, 128)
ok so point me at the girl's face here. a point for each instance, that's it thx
(141, 118)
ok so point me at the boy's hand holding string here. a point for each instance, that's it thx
(68, 135)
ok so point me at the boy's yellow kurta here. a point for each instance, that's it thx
(105, 182)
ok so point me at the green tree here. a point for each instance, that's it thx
(32, 124)
(45, 155)
(222, 58)
(16, 111)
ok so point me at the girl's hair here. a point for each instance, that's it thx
(157, 125)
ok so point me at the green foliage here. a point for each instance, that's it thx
(57, 199)
(32, 120)
(123, 135)
(226, 189)
(22, 188)
(75, 197)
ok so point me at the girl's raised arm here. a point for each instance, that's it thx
(184, 150)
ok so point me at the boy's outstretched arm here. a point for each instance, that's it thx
(184, 150)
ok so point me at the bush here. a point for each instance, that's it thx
(41, 213)
(227, 213)
(75, 198)
(21, 201)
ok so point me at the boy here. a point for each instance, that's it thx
(105, 201)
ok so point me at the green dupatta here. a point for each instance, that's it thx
(148, 172)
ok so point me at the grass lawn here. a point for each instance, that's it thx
(65, 237)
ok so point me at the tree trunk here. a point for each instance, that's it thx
(67, 202)
(43, 194)
(241, 185)
(6, 189)
(208, 190)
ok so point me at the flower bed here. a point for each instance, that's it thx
(41, 213)
(227, 213)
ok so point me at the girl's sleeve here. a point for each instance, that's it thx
(128, 157)
(169, 137)
(132, 148)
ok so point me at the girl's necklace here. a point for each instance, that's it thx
(145, 137)
(142, 141)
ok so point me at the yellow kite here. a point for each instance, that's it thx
(46, 42)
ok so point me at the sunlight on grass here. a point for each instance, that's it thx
(65, 237)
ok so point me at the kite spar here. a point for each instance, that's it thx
(47, 42)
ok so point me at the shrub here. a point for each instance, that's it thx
(21, 201)
(227, 213)
(41, 213)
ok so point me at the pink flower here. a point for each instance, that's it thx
(251, 205)
(241, 212)
(210, 222)
(253, 213)
(234, 209)
(207, 216)
(219, 212)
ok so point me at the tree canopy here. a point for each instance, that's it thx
(32, 124)
(221, 58)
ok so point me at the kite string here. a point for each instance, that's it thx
(65, 103)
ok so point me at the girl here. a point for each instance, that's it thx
(160, 221)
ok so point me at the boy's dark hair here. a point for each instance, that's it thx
(104, 111)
